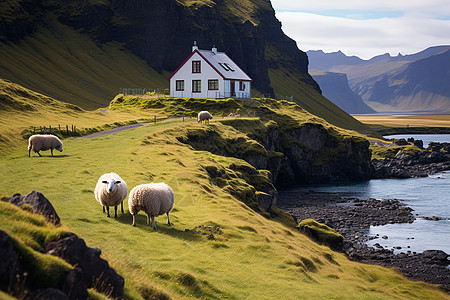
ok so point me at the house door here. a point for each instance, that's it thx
(232, 89)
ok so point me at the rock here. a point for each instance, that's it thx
(10, 270)
(433, 218)
(74, 286)
(95, 270)
(384, 237)
(49, 294)
(39, 204)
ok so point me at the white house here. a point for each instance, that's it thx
(209, 74)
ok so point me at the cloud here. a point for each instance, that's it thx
(365, 29)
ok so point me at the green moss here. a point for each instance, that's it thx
(321, 233)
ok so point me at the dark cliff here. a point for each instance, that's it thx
(335, 87)
(162, 31)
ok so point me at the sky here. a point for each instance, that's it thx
(365, 28)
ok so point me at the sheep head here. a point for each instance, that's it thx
(112, 184)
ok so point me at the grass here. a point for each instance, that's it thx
(30, 234)
(67, 65)
(251, 256)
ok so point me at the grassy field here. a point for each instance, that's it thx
(250, 257)
(405, 120)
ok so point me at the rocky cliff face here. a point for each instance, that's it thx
(162, 31)
(335, 87)
(307, 153)
(312, 154)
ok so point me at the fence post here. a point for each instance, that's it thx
(67, 129)
(74, 129)
(155, 119)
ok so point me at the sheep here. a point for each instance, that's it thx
(204, 116)
(43, 142)
(153, 198)
(111, 190)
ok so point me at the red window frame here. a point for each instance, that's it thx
(213, 84)
(196, 86)
(179, 85)
(196, 66)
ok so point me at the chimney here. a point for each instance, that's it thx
(195, 47)
(214, 49)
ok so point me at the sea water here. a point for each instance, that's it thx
(429, 197)
(426, 138)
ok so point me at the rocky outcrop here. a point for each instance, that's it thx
(315, 155)
(39, 205)
(92, 269)
(407, 166)
(89, 269)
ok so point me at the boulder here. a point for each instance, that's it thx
(39, 204)
(96, 272)
(10, 269)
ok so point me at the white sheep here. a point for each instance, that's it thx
(204, 116)
(153, 198)
(111, 190)
(43, 142)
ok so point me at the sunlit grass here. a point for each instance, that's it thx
(253, 257)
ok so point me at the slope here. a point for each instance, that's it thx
(66, 65)
(218, 247)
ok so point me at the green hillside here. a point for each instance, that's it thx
(69, 66)
(221, 245)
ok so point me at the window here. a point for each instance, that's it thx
(213, 84)
(195, 66)
(179, 85)
(196, 86)
(241, 86)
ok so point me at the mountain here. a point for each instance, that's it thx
(409, 83)
(83, 52)
(335, 87)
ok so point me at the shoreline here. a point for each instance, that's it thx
(352, 218)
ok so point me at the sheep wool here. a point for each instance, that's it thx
(111, 190)
(44, 142)
(153, 198)
(204, 116)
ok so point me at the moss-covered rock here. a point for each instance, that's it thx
(322, 234)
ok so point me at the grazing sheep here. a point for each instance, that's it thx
(204, 116)
(111, 190)
(153, 198)
(43, 142)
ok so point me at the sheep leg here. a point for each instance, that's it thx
(51, 150)
(107, 210)
(168, 221)
(121, 206)
(153, 222)
(115, 211)
(29, 153)
(134, 220)
(38, 153)
(103, 209)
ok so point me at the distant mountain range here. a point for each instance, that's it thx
(417, 83)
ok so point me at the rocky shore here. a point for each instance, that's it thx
(353, 217)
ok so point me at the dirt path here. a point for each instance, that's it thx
(115, 130)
